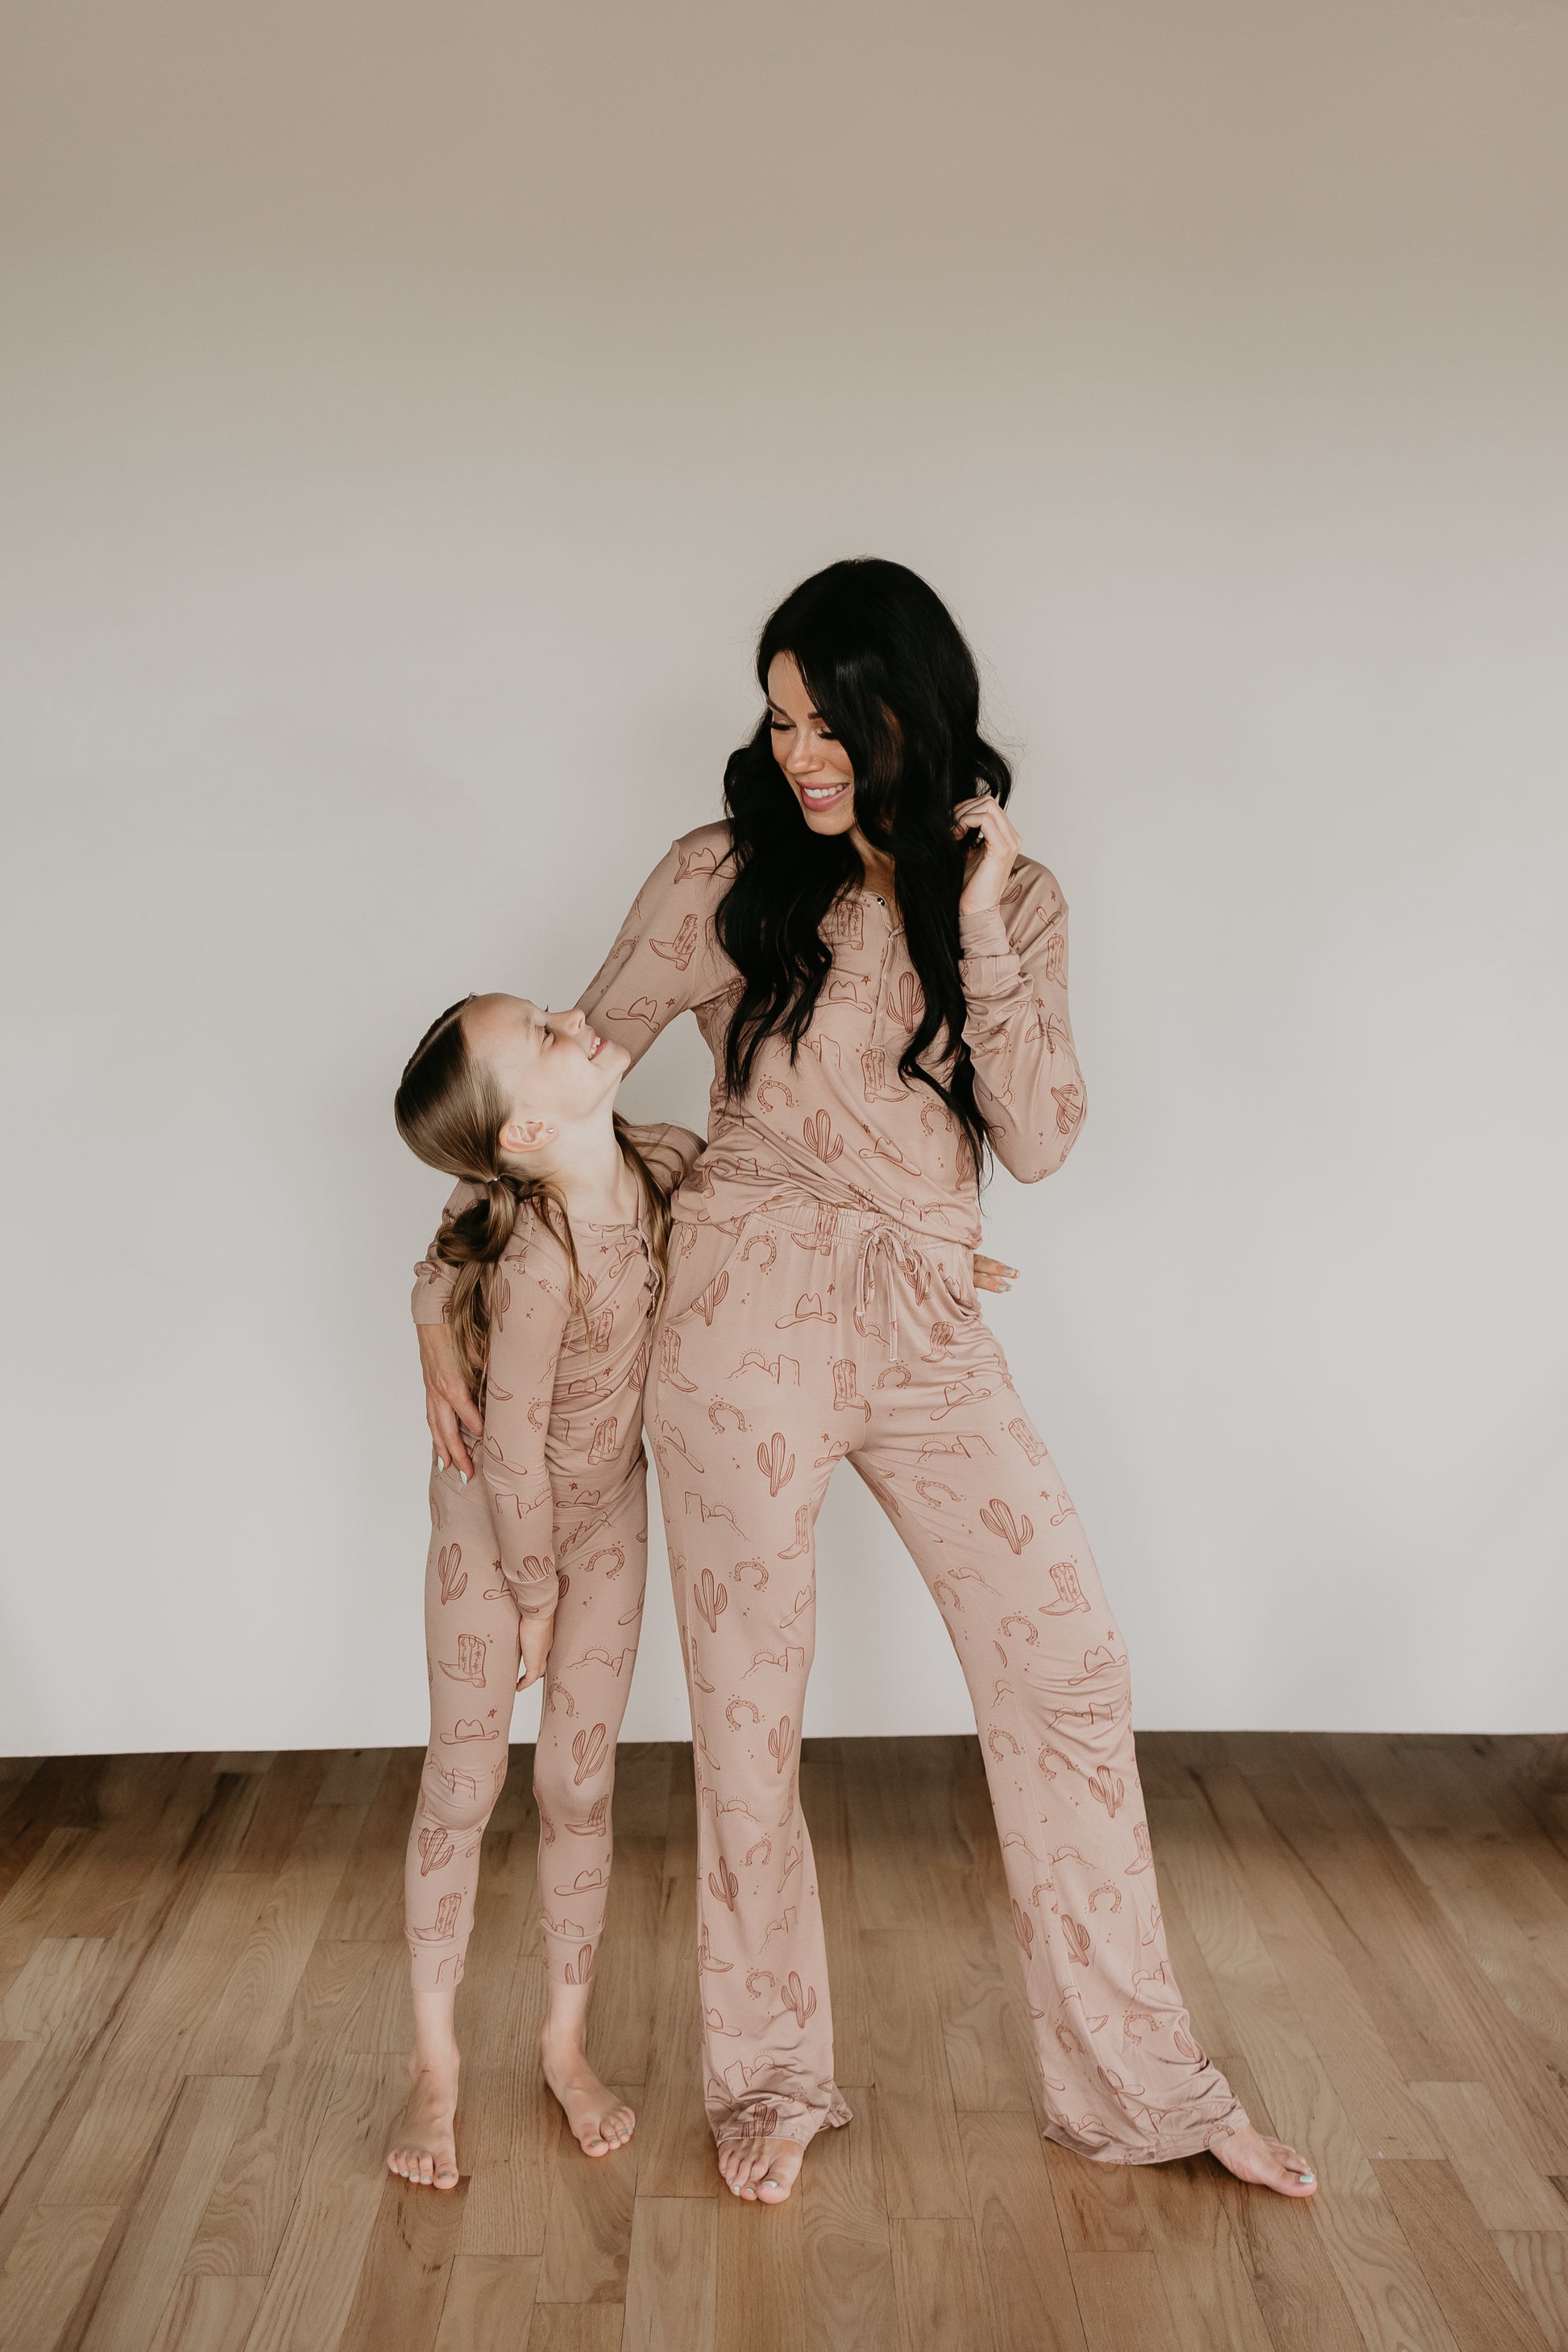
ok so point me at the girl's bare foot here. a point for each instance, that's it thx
(598, 2121)
(763, 2171)
(424, 2148)
(1272, 2163)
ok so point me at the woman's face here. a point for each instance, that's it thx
(554, 1069)
(814, 762)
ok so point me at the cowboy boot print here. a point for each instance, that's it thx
(470, 1661)
(596, 1821)
(603, 1444)
(802, 1543)
(876, 1086)
(844, 924)
(708, 1958)
(1025, 1436)
(445, 1924)
(845, 1396)
(681, 950)
(1071, 1594)
(1145, 1850)
(670, 1370)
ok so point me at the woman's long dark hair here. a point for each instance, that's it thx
(886, 666)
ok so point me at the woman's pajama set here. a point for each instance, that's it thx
(821, 1307)
(557, 1514)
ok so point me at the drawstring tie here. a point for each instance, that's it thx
(884, 1248)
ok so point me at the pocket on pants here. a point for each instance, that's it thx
(697, 1282)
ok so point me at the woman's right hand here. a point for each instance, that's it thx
(454, 1417)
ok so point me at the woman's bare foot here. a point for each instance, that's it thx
(424, 2148)
(1272, 2163)
(598, 2121)
(763, 2171)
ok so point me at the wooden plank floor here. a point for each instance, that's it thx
(203, 2017)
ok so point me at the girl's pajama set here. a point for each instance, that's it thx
(821, 1307)
(557, 1514)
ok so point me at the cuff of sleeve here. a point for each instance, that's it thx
(983, 933)
(427, 1305)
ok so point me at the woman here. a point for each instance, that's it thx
(882, 977)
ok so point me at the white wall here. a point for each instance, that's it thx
(411, 414)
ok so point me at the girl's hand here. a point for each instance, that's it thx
(990, 1274)
(998, 847)
(535, 1633)
(448, 1407)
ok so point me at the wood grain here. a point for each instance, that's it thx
(204, 2007)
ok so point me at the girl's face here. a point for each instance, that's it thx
(555, 1070)
(815, 764)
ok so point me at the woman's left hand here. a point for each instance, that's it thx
(998, 847)
(990, 1274)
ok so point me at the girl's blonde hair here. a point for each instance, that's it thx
(450, 1112)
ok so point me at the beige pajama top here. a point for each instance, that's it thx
(840, 1124)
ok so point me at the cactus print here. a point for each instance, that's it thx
(562, 1511)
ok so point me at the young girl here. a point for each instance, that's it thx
(548, 1270)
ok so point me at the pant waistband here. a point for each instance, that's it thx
(836, 1224)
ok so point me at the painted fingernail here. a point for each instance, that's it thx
(1306, 2175)
(464, 1476)
(439, 1463)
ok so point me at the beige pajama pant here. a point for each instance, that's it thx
(797, 1334)
(472, 1646)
